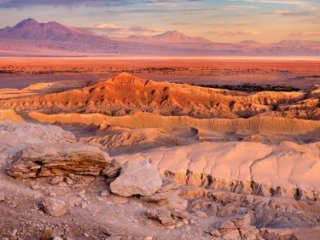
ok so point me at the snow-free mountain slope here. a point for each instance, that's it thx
(33, 38)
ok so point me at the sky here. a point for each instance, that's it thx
(264, 21)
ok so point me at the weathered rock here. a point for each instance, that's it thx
(267, 235)
(169, 199)
(10, 115)
(190, 192)
(137, 178)
(55, 207)
(56, 180)
(113, 172)
(165, 216)
(169, 186)
(59, 160)
(235, 228)
(18, 136)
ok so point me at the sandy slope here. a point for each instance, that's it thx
(257, 124)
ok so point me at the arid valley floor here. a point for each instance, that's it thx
(158, 149)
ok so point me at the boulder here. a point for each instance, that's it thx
(59, 160)
(55, 207)
(137, 178)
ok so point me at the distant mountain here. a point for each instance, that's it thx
(250, 43)
(30, 37)
(171, 37)
(30, 29)
(291, 47)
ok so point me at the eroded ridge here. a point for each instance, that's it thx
(126, 94)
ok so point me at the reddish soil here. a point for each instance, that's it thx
(20, 72)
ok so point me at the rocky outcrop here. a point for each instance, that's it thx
(137, 178)
(18, 136)
(126, 94)
(164, 216)
(269, 235)
(241, 167)
(170, 200)
(234, 228)
(145, 138)
(59, 160)
(257, 124)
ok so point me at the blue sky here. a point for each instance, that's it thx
(222, 21)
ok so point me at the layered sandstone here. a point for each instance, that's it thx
(59, 160)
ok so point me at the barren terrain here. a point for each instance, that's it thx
(131, 150)
(21, 72)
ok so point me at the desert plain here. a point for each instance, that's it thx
(159, 148)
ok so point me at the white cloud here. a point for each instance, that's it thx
(235, 33)
(237, 7)
(282, 12)
(306, 34)
(108, 26)
(143, 30)
(283, 2)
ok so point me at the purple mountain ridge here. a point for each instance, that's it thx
(30, 37)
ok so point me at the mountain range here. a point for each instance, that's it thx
(30, 37)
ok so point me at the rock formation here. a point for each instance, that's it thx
(10, 115)
(59, 160)
(137, 178)
(256, 124)
(241, 166)
(126, 94)
(18, 136)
